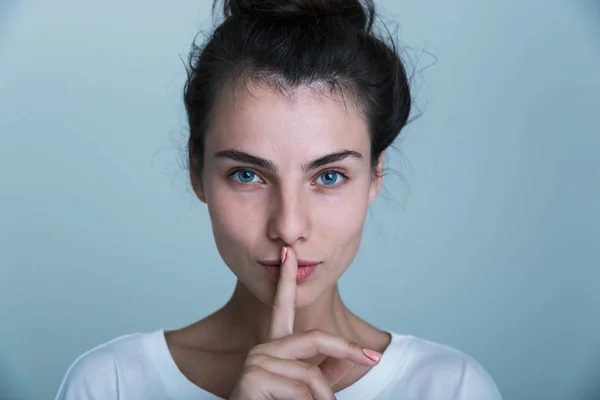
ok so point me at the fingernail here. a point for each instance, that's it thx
(283, 254)
(373, 355)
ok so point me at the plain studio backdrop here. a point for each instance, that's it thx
(486, 237)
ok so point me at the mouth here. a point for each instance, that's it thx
(305, 269)
(277, 263)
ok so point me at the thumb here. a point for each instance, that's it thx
(334, 369)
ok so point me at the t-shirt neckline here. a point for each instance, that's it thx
(178, 386)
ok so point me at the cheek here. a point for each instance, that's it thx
(237, 221)
(344, 220)
(340, 223)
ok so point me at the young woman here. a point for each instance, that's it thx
(291, 105)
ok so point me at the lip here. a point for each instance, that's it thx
(305, 269)
(301, 263)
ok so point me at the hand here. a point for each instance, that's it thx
(272, 370)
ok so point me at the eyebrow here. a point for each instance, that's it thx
(247, 158)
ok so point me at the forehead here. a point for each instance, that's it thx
(309, 120)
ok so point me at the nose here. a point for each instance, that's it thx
(289, 220)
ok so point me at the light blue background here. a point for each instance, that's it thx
(489, 243)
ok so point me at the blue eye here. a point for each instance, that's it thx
(245, 176)
(329, 178)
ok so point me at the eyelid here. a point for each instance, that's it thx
(237, 169)
(345, 177)
(234, 171)
(332, 169)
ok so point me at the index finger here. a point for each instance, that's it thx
(284, 306)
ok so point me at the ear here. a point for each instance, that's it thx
(376, 180)
(197, 185)
(195, 178)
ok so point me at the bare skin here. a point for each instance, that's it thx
(212, 352)
(293, 199)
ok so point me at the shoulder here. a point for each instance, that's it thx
(97, 373)
(438, 371)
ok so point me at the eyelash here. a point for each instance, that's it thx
(328, 187)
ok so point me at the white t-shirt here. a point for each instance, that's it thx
(139, 366)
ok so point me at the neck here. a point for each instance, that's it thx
(249, 318)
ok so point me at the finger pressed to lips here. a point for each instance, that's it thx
(282, 319)
(284, 344)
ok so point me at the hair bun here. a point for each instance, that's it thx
(353, 11)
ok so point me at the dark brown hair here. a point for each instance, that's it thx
(293, 43)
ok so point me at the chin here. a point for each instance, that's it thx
(306, 295)
(307, 292)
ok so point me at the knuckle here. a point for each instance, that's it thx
(313, 372)
(355, 346)
(252, 372)
(254, 360)
(315, 333)
(300, 391)
(256, 350)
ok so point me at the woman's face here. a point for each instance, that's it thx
(287, 170)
